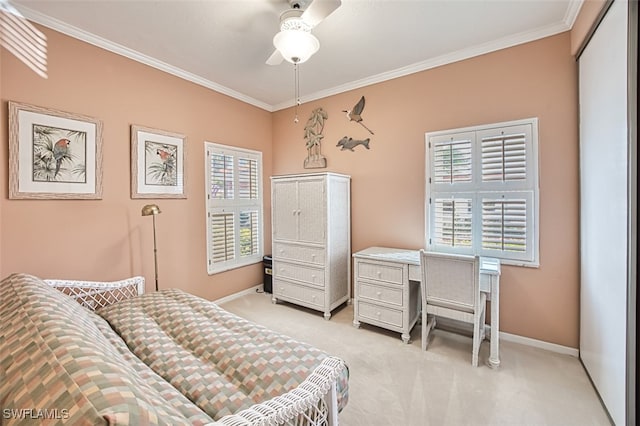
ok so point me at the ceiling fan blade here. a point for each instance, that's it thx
(318, 10)
(275, 58)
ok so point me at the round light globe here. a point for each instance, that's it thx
(296, 46)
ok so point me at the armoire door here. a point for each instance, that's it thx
(313, 217)
(285, 211)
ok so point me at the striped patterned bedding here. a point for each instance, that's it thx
(218, 360)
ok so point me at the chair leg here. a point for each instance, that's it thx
(427, 324)
(424, 329)
(476, 341)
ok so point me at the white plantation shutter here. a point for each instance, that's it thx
(247, 178)
(249, 233)
(506, 228)
(503, 159)
(452, 160)
(452, 226)
(482, 191)
(222, 238)
(506, 155)
(234, 207)
(221, 172)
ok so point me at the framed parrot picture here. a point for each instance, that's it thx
(157, 163)
(53, 154)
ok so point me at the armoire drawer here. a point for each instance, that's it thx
(314, 255)
(376, 271)
(390, 295)
(295, 292)
(306, 274)
(380, 313)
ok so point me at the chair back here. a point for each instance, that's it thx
(450, 281)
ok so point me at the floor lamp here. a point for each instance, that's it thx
(153, 210)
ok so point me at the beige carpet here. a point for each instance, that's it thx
(393, 384)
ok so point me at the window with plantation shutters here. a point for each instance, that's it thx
(482, 191)
(234, 207)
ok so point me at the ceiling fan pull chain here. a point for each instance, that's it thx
(296, 79)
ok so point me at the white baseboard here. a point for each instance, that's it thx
(565, 350)
(467, 329)
(234, 296)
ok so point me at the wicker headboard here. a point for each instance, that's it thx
(98, 294)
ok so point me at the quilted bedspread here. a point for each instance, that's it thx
(221, 362)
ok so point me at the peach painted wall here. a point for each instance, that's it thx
(108, 239)
(537, 79)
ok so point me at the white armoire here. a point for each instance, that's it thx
(311, 226)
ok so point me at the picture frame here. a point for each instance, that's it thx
(53, 154)
(158, 163)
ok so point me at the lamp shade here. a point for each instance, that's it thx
(296, 46)
(151, 210)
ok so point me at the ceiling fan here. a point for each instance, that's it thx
(295, 43)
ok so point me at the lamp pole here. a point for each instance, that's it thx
(153, 210)
(155, 251)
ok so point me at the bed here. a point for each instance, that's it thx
(119, 356)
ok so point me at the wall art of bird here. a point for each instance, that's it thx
(60, 151)
(164, 155)
(354, 114)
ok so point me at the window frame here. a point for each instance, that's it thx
(477, 190)
(233, 207)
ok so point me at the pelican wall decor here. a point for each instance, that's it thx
(313, 136)
(355, 114)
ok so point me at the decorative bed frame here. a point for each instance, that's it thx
(313, 403)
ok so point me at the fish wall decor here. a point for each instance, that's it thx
(350, 143)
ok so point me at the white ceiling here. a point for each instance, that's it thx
(223, 44)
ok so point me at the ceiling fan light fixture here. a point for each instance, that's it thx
(296, 46)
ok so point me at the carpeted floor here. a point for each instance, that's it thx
(394, 384)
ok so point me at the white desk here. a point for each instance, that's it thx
(387, 291)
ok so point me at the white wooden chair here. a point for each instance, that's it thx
(450, 287)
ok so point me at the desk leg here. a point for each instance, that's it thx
(494, 356)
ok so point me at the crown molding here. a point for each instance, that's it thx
(95, 40)
(460, 55)
(572, 12)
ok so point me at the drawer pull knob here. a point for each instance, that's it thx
(379, 294)
(379, 273)
(378, 313)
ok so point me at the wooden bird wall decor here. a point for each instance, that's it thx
(313, 136)
(355, 114)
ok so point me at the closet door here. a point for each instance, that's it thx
(604, 213)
